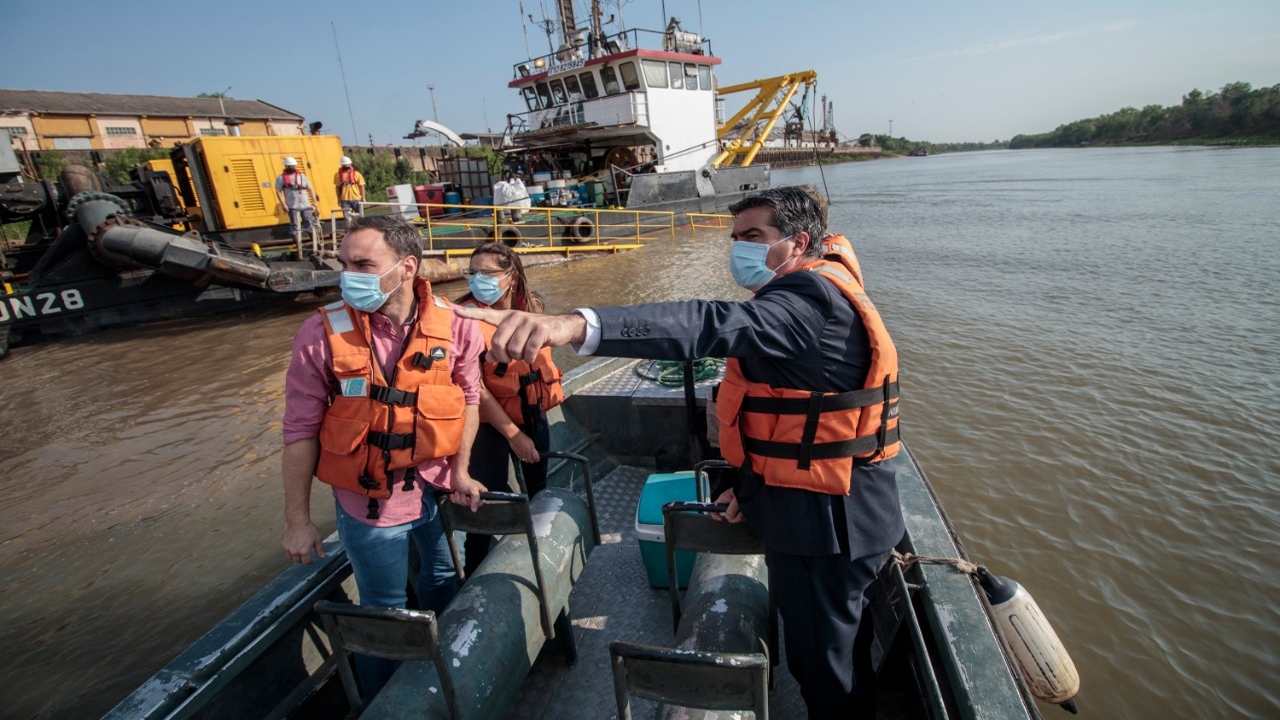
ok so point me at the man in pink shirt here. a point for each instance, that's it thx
(392, 324)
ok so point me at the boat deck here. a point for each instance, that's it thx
(613, 601)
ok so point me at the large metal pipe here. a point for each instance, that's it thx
(491, 633)
(180, 256)
(726, 609)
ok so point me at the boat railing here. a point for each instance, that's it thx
(619, 42)
(563, 229)
(623, 108)
(708, 220)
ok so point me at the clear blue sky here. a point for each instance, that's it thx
(941, 70)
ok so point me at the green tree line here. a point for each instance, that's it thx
(903, 146)
(1236, 112)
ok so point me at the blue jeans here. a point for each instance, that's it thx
(303, 214)
(350, 210)
(380, 560)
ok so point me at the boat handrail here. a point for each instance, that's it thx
(619, 42)
(637, 224)
(704, 220)
(214, 660)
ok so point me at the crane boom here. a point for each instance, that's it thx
(770, 90)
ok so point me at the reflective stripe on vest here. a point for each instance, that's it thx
(836, 247)
(807, 439)
(374, 427)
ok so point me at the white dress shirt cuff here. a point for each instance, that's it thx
(592, 341)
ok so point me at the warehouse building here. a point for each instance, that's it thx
(43, 120)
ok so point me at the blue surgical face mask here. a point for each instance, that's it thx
(363, 291)
(485, 288)
(748, 263)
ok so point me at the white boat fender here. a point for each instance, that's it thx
(1045, 664)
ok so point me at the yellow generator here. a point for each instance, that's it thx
(229, 183)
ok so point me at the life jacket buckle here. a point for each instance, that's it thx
(425, 361)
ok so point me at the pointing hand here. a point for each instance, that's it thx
(520, 335)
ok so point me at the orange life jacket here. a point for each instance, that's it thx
(347, 176)
(507, 382)
(294, 179)
(811, 440)
(373, 426)
(837, 247)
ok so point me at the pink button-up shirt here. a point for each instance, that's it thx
(310, 383)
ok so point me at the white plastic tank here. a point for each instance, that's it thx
(402, 195)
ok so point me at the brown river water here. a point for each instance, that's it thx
(1091, 379)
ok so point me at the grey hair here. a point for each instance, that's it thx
(400, 235)
(794, 211)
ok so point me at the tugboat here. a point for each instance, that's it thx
(633, 115)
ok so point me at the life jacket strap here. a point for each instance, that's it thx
(390, 441)
(822, 451)
(528, 409)
(810, 432)
(829, 402)
(393, 396)
(373, 509)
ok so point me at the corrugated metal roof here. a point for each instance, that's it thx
(73, 103)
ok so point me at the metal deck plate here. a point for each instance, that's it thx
(613, 601)
(643, 391)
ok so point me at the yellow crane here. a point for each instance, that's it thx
(776, 89)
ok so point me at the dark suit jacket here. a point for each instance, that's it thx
(798, 332)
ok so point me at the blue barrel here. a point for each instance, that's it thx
(452, 198)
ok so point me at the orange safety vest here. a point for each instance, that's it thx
(811, 440)
(837, 247)
(372, 426)
(539, 384)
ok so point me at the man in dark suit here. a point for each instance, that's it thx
(803, 333)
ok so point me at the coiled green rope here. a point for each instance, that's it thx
(670, 373)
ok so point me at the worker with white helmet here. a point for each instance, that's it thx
(296, 195)
(350, 185)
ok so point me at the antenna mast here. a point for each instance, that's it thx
(568, 23)
(524, 27)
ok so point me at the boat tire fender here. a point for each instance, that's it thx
(508, 235)
(579, 230)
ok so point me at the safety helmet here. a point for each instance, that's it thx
(346, 160)
(290, 162)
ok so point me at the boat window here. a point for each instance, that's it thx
(571, 85)
(704, 77)
(691, 76)
(630, 80)
(655, 73)
(544, 95)
(610, 80)
(677, 76)
(589, 85)
(557, 92)
(530, 97)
